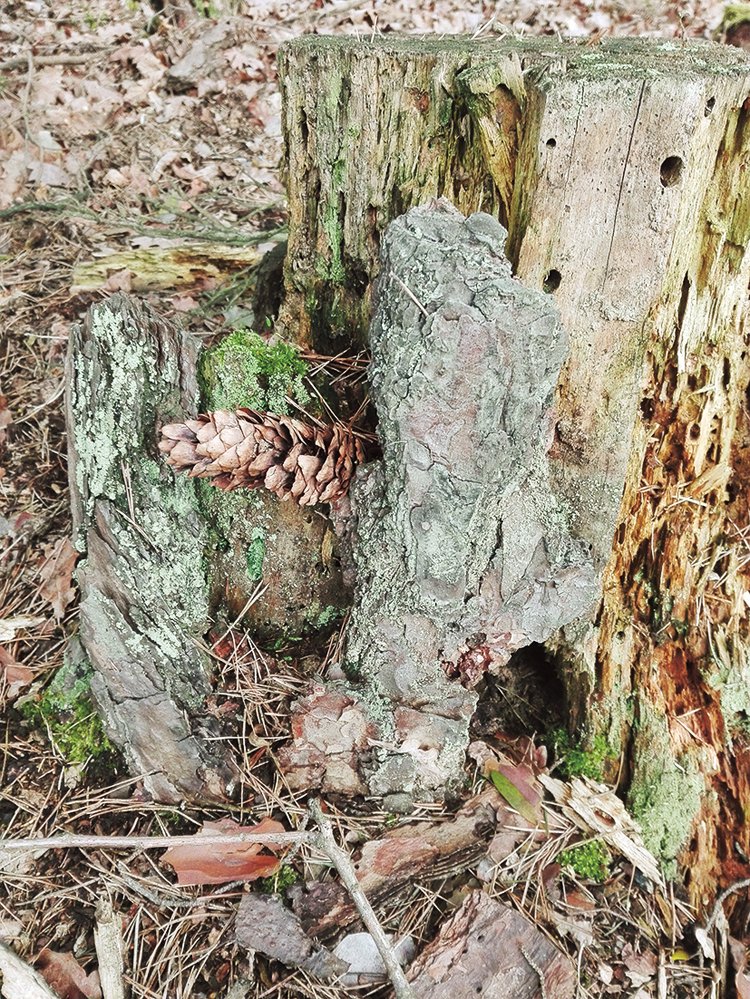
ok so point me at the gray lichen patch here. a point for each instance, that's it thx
(461, 542)
(666, 791)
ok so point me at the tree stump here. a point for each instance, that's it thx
(620, 171)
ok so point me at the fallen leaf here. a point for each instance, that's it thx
(640, 967)
(513, 784)
(14, 674)
(9, 626)
(67, 977)
(217, 864)
(57, 576)
(6, 418)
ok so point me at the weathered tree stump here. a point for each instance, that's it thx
(620, 172)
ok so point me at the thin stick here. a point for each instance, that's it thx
(53, 60)
(738, 886)
(73, 842)
(326, 842)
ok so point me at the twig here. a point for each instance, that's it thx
(52, 60)
(326, 842)
(72, 842)
(738, 886)
(109, 950)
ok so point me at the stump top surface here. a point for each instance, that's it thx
(640, 57)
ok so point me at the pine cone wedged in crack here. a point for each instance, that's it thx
(307, 462)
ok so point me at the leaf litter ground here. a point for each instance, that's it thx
(124, 130)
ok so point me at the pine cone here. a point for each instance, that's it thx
(295, 459)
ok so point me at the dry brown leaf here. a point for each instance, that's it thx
(57, 575)
(67, 977)
(6, 418)
(14, 674)
(217, 864)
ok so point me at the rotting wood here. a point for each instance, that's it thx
(626, 164)
(144, 593)
(174, 265)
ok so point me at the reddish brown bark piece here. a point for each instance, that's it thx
(488, 949)
(330, 733)
(411, 851)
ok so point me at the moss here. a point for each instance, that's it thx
(284, 878)
(245, 370)
(67, 714)
(575, 760)
(590, 861)
(734, 15)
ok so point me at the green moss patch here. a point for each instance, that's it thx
(589, 861)
(65, 711)
(576, 759)
(246, 370)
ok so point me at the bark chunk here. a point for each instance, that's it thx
(144, 594)
(461, 541)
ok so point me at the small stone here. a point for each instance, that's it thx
(398, 803)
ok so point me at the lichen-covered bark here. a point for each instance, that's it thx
(462, 549)
(144, 592)
(620, 171)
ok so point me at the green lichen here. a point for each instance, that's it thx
(666, 790)
(590, 861)
(327, 616)
(575, 758)
(65, 711)
(245, 370)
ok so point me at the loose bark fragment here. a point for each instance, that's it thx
(490, 949)
(597, 811)
(144, 595)
(409, 852)
(19, 980)
(154, 268)
(265, 925)
(331, 734)
(462, 542)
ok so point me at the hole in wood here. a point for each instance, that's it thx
(671, 171)
(551, 143)
(710, 105)
(552, 281)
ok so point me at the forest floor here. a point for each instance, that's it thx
(112, 143)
